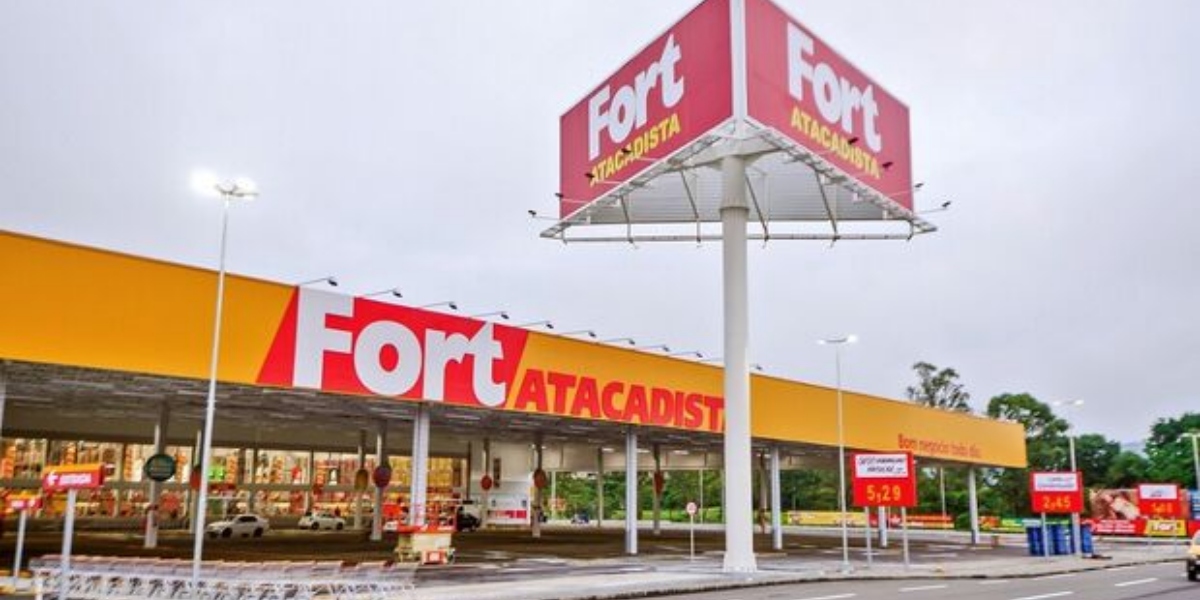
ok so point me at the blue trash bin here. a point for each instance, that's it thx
(1059, 542)
(1086, 543)
(1033, 535)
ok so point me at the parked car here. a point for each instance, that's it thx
(241, 526)
(322, 520)
(1193, 559)
(465, 521)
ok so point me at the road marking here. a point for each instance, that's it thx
(923, 588)
(1136, 582)
(993, 582)
(939, 555)
(1058, 576)
(836, 597)
(1125, 568)
(1041, 596)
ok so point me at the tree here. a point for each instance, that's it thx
(1170, 450)
(1127, 470)
(1094, 455)
(1045, 446)
(938, 388)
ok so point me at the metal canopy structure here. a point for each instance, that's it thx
(794, 194)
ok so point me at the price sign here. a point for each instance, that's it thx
(1159, 500)
(24, 502)
(884, 480)
(1056, 492)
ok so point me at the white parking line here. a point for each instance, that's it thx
(1136, 582)
(836, 597)
(923, 588)
(1041, 596)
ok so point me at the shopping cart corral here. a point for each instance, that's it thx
(112, 578)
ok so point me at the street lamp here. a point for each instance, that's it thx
(237, 189)
(620, 340)
(837, 344)
(452, 305)
(585, 332)
(546, 324)
(328, 279)
(394, 292)
(495, 313)
(1075, 533)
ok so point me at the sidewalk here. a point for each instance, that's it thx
(674, 576)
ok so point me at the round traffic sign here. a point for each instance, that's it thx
(691, 509)
(486, 483)
(382, 476)
(539, 479)
(159, 467)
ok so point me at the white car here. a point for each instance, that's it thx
(241, 526)
(322, 520)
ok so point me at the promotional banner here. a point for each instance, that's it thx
(1056, 492)
(672, 92)
(884, 480)
(57, 478)
(808, 92)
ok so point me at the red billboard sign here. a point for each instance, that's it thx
(802, 88)
(1056, 492)
(1159, 500)
(884, 479)
(675, 90)
(24, 502)
(56, 478)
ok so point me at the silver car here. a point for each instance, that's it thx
(241, 526)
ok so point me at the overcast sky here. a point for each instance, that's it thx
(401, 143)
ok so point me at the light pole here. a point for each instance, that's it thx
(837, 361)
(238, 189)
(1195, 435)
(1075, 533)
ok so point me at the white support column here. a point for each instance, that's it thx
(536, 526)
(973, 505)
(655, 493)
(600, 487)
(253, 501)
(150, 540)
(470, 463)
(380, 460)
(119, 475)
(487, 470)
(776, 502)
(362, 464)
(631, 492)
(310, 480)
(418, 492)
(739, 524)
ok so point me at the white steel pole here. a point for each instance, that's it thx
(631, 492)
(1075, 533)
(16, 572)
(739, 525)
(419, 478)
(973, 505)
(837, 358)
(776, 502)
(68, 535)
(867, 534)
(210, 406)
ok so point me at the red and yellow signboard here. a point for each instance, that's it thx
(56, 478)
(1056, 492)
(1159, 500)
(150, 317)
(20, 502)
(806, 91)
(884, 479)
(672, 92)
